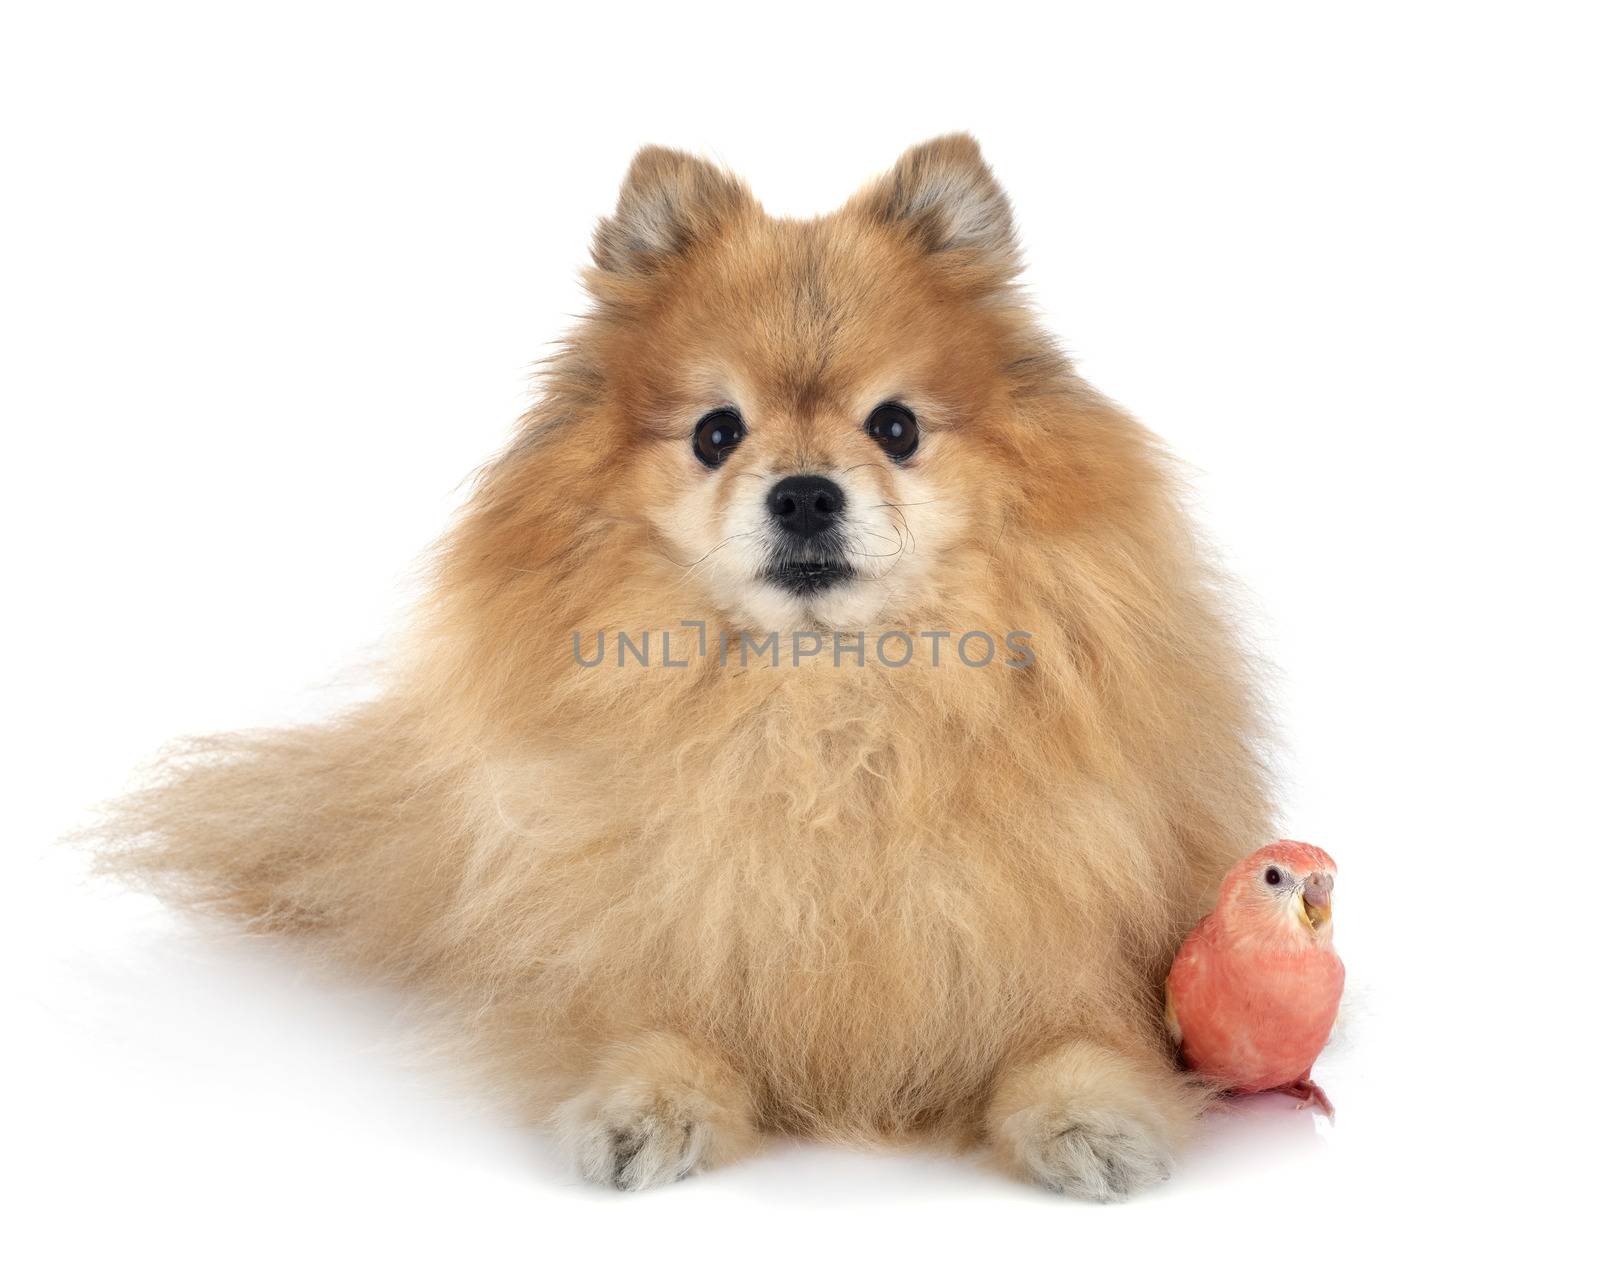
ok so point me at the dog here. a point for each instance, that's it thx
(671, 795)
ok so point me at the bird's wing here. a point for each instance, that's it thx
(1187, 969)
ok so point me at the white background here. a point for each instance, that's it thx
(273, 279)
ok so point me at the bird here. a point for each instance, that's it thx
(1255, 989)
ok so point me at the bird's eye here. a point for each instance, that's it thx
(895, 430)
(1272, 876)
(717, 434)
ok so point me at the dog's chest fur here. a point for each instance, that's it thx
(826, 874)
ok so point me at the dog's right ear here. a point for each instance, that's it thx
(670, 202)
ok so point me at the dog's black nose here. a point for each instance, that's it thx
(805, 505)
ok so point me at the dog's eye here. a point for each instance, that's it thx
(717, 434)
(895, 429)
(1272, 876)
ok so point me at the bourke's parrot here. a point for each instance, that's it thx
(1253, 994)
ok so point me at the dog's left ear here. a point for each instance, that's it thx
(670, 202)
(945, 195)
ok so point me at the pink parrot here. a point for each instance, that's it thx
(1253, 994)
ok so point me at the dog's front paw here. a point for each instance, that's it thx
(1092, 1154)
(656, 1111)
(633, 1146)
(1090, 1122)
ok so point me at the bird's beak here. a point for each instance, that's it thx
(1314, 900)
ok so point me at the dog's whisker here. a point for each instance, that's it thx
(687, 567)
(884, 536)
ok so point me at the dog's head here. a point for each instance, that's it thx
(806, 418)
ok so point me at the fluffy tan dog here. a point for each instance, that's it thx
(805, 886)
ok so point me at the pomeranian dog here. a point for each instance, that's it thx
(671, 795)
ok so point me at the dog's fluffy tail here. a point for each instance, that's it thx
(289, 829)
